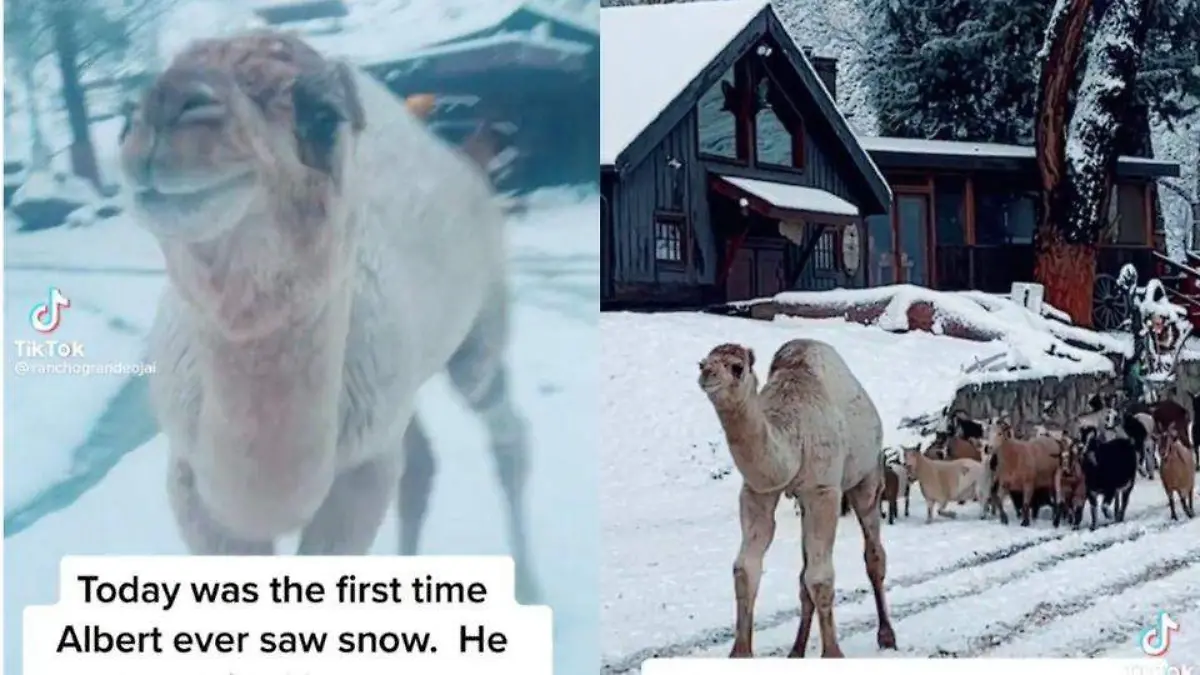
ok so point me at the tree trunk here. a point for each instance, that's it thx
(66, 46)
(1068, 271)
(39, 150)
(1056, 262)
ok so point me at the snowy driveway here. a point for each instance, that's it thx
(960, 587)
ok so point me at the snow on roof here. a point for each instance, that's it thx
(650, 53)
(376, 32)
(968, 149)
(795, 197)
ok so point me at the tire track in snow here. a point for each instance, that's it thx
(1045, 613)
(979, 581)
(718, 637)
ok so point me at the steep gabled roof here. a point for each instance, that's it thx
(655, 64)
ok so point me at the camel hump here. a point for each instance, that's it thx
(801, 354)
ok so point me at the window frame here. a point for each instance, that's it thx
(679, 221)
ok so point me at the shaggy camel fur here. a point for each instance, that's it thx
(327, 256)
(1178, 472)
(812, 432)
(943, 481)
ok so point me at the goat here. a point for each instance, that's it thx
(1070, 491)
(895, 479)
(1022, 467)
(1110, 471)
(1178, 472)
(942, 481)
(964, 427)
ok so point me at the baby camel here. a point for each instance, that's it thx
(812, 432)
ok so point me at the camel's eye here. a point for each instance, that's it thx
(736, 369)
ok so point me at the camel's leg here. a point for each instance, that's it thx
(349, 518)
(758, 530)
(416, 484)
(806, 614)
(202, 534)
(820, 527)
(478, 371)
(861, 497)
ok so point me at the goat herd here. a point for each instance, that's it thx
(1096, 459)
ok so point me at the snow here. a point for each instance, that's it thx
(112, 277)
(961, 587)
(377, 31)
(973, 149)
(43, 186)
(796, 197)
(634, 38)
(1036, 346)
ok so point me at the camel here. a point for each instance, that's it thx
(327, 255)
(814, 434)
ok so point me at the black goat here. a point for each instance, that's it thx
(965, 427)
(1109, 471)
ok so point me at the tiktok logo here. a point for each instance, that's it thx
(46, 316)
(1156, 640)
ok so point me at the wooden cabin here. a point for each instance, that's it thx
(964, 214)
(727, 172)
(695, 176)
(525, 73)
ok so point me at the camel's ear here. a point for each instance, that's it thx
(750, 357)
(322, 102)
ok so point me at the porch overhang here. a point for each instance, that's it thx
(782, 201)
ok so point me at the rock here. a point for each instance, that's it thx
(46, 199)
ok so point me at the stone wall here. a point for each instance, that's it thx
(1055, 400)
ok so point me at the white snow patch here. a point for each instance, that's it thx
(797, 197)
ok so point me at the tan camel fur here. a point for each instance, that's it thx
(814, 433)
(327, 256)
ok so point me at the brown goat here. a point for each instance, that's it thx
(1022, 466)
(1178, 472)
(895, 483)
(1070, 491)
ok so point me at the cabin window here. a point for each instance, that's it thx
(950, 201)
(1005, 217)
(716, 119)
(775, 143)
(669, 240)
(1131, 214)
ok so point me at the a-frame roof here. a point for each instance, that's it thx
(656, 61)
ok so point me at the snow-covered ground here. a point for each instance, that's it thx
(961, 587)
(60, 500)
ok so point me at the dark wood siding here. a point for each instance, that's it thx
(654, 185)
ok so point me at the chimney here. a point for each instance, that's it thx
(826, 67)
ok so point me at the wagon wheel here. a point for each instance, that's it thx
(1110, 306)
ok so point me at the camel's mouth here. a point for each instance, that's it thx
(192, 195)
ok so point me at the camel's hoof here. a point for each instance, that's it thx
(741, 654)
(796, 654)
(833, 653)
(886, 638)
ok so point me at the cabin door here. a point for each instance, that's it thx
(912, 234)
(881, 251)
(757, 271)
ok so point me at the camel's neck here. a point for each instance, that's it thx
(763, 464)
(276, 397)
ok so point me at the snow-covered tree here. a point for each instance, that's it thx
(1077, 148)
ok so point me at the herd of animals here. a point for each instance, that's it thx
(1094, 461)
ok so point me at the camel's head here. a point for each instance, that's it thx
(728, 369)
(231, 121)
